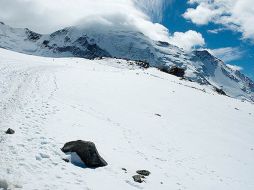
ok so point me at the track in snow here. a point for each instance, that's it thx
(200, 141)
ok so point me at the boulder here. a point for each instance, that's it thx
(10, 131)
(86, 151)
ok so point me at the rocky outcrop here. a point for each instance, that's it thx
(220, 91)
(176, 71)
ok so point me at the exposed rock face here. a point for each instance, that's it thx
(86, 151)
(32, 35)
(81, 48)
(10, 131)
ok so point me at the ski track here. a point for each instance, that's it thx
(36, 103)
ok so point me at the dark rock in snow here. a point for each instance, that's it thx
(138, 178)
(220, 91)
(66, 160)
(163, 44)
(10, 131)
(177, 71)
(143, 64)
(86, 151)
(45, 43)
(143, 172)
(32, 35)
(159, 115)
(3, 184)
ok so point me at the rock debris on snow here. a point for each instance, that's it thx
(138, 178)
(143, 172)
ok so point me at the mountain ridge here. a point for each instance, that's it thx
(89, 42)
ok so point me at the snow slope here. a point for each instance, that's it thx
(201, 141)
(107, 41)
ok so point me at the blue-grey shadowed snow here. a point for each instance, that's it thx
(75, 160)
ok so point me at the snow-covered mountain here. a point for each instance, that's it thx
(184, 133)
(91, 42)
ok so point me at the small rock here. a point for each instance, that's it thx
(10, 131)
(143, 172)
(159, 115)
(237, 109)
(86, 151)
(66, 160)
(138, 178)
(124, 169)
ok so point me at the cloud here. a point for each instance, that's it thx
(216, 31)
(154, 8)
(46, 16)
(187, 40)
(236, 15)
(228, 54)
(202, 14)
(235, 67)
